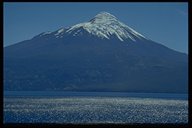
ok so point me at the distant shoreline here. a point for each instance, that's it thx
(93, 94)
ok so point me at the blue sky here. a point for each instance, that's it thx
(165, 23)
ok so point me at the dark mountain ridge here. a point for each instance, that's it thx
(100, 55)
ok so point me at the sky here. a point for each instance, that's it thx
(164, 23)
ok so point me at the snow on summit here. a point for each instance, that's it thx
(104, 25)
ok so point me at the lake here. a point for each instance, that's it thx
(94, 107)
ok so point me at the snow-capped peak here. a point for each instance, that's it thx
(103, 16)
(104, 25)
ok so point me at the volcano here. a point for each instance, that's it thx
(102, 54)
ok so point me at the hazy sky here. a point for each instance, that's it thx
(165, 23)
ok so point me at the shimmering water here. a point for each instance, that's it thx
(94, 109)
